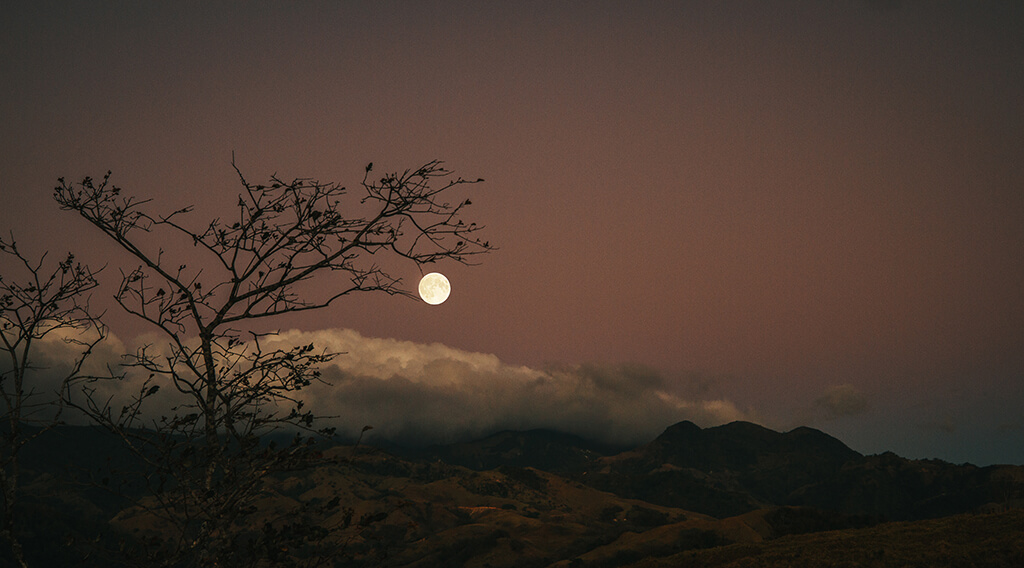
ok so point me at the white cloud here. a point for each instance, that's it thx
(431, 393)
(425, 393)
(51, 361)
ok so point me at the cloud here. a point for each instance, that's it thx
(418, 393)
(836, 402)
(431, 393)
(51, 361)
(839, 401)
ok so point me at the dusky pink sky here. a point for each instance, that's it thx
(782, 202)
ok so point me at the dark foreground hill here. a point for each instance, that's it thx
(732, 495)
(435, 514)
(739, 467)
(722, 471)
(978, 541)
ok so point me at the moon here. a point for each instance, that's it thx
(435, 288)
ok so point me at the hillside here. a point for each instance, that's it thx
(739, 467)
(722, 471)
(980, 541)
(732, 495)
(434, 514)
(431, 514)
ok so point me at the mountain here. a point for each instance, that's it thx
(719, 496)
(736, 468)
(423, 514)
(744, 445)
(722, 471)
(740, 467)
(896, 488)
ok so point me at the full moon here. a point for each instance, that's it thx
(435, 288)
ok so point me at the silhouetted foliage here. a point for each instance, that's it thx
(206, 459)
(38, 303)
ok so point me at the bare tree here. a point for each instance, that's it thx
(37, 304)
(207, 455)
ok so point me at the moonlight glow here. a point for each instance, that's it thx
(435, 288)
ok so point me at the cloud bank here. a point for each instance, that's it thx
(431, 393)
(51, 361)
(417, 394)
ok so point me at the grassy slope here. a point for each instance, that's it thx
(979, 541)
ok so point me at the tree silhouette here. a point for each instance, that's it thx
(37, 304)
(207, 458)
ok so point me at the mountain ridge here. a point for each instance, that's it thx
(545, 498)
(738, 467)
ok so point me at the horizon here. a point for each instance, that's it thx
(416, 395)
(389, 445)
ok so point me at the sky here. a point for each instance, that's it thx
(794, 213)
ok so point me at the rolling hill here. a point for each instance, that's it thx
(732, 495)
